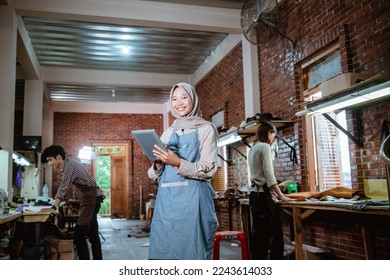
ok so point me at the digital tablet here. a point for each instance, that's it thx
(147, 138)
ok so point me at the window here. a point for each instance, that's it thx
(327, 147)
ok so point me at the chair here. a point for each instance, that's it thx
(230, 235)
(66, 221)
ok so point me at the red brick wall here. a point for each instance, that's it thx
(363, 32)
(313, 26)
(223, 89)
(361, 28)
(75, 130)
(366, 161)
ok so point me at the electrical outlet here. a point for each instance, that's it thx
(291, 101)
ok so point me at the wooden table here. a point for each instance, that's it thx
(5, 218)
(37, 219)
(300, 210)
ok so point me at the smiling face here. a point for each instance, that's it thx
(181, 102)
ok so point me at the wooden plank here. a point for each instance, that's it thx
(307, 213)
(5, 218)
(35, 218)
(298, 233)
(368, 242)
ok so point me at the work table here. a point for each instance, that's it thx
(300, 210)
(5, 218)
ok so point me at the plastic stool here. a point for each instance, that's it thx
(230, 235)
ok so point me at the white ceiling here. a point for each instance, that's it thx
(75, 46)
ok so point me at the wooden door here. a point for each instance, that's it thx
(119, 187)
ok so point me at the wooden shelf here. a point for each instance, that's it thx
(251, 127)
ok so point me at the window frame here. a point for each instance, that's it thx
(314, 175)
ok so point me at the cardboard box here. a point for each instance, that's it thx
(61, 256)
(313, 253)
(376, 189)
(341, 82)
(59, 249)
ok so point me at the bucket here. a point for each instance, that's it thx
(292, 188)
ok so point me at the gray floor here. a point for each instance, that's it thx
(126, 240)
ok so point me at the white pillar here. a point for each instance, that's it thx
(47, 139)
(33, 108)
(8, 30)
(32, 126)
(251, 78)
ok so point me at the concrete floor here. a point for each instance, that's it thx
(125, 240)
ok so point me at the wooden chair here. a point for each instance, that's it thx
(67, 218)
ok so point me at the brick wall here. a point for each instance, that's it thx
(366, 161)
(223, 89)
(361, 28)
(75, 130)
(363, 31)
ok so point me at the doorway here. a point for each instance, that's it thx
(110, 172)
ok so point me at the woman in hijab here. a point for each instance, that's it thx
(184, 219)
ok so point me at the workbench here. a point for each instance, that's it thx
(5, 218)
(35, 218)
(300, 210)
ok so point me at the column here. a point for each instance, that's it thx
(32, 126)
(251, 78)
(33, 108)
(8, 30)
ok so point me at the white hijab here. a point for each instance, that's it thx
(194, 118)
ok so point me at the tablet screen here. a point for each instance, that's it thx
(147, 138)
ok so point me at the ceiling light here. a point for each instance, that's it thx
(125, 49)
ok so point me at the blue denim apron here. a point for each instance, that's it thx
(184, 219)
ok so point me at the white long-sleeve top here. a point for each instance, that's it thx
(206, 167)
(260, 165)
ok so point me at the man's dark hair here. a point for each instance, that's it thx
(262, 131)
(52, 151)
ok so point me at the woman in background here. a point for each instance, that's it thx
(266, 234)
(184, 219)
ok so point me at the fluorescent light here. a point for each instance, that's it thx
(20, 160)
(229, 138)
(358, 97)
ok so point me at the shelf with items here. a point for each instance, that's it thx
(239, 134)
(250, 128)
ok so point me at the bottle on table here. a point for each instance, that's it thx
(45, 193)
(25, 198)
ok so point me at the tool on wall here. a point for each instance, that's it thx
(261, 21)
(293, 152)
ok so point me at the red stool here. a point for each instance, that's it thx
(230, 235)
